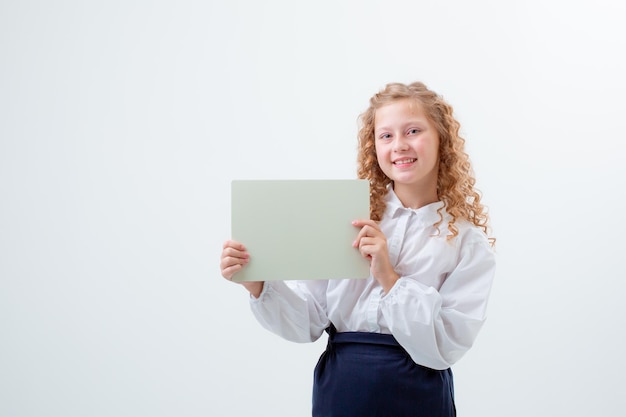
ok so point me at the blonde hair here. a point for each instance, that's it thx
(455, 179)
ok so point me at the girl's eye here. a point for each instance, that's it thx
(385, 136)
(414, 131)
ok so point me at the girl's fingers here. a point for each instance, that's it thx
(229, 266)
(233, 260)
(369, 246)
(365, 222)
(228, 261)
(234, 249)
(230, 271)
(234, 257)
(234, 244)
(367, 231)
(234, 253)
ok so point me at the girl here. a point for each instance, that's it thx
(393, 336)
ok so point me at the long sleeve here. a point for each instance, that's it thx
(438, 327)
(293, 310)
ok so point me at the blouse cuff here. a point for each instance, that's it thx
(391, 295)
(266, 288)
(400, 287)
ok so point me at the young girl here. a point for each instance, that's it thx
(393, 336)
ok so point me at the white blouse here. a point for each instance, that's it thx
(435, 310)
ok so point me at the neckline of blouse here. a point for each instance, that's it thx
(427, 213)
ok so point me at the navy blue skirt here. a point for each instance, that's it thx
(370, 374)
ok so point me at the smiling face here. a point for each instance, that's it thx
(407, 149)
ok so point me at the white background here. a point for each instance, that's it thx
(123, 122)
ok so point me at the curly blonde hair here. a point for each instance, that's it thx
(455, 179)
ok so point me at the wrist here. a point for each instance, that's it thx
(389, 281)
(255, 288)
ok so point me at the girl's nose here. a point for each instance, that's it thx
(400, 144)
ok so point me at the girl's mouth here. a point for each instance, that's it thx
(404, 161)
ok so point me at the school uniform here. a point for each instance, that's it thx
(430, 318)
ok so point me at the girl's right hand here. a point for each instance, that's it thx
(234, 258)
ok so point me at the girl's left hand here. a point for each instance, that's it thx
(372, 244)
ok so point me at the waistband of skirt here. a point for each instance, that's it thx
(361, 337)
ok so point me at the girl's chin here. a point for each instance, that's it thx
(404, 179)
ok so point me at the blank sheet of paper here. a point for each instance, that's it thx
(299, 229)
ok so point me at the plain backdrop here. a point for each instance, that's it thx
(122, 124)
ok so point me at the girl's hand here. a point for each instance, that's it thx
(372, 244)
(234, 258)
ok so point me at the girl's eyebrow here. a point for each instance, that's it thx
(418, 121)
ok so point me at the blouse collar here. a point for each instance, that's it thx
(427, 213)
